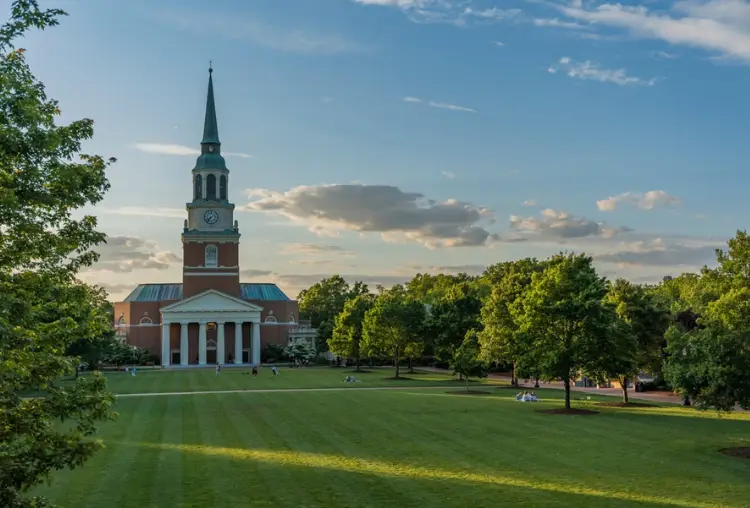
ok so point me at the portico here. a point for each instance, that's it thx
(212, 312)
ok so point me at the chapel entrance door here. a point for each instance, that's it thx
(211, 336)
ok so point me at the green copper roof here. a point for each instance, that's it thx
(210, 161)
(162, 292)
(210, 126)
(210, 157)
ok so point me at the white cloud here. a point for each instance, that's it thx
(459, 13)
(167, 149)
(719, 26)
(384, 209)
(449, 174)
(124, 254)
(530, 202)
(658, 252)
(558, 23)
(314, 249)
(555, 225)
(439, 105)
(143, 211)
(589, 70)
(498, 43)
(645, 201)
(664, 55)
(452, 107)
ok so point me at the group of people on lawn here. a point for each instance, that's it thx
(274, 370)
(526, 397)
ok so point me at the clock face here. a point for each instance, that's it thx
(211, 217)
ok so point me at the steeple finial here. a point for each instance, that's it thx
(210, 126)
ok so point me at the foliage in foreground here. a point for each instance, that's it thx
(44, 309)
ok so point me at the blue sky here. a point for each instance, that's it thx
(385, 137)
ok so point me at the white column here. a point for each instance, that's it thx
(220, 343)
(165, 349)
(184, 358)
(256, 343)
(238, 342)
(202, 344)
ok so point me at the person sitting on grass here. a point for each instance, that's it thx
(275, 370)
(532, 397)
(519, 396)
(350, 379)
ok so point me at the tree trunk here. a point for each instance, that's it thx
(513, 380)
(357, 363)
(411, 366)
(624, 386)
(566, 384)
(395, 360)
(467, 384)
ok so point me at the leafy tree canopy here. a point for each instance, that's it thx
(394, 325)
(44, 309)
(325, 300)
(565, 319)
(347, 331)
(452, 316)
(500, 340)
(466, 360)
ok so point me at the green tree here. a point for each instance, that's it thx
(325, 300)
(451, 317)
(500, 340)
(300, 352)
(466, 359)
(430, 289)
(711, 366)
(347, 331)
(92, 350)
(567, 323)
(644, 323)
(394, 326)
(710, 362)
(43, 310)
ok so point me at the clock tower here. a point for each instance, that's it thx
(210, 238)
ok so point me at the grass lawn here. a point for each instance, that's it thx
(406, 448)
(201, 380)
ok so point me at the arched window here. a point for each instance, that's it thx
(211, 187)
(121, 321)
(210, 344)
(145, 321)
(212, 256)
(198, 187)
(291, 318)
(271, 319)
(223, 187)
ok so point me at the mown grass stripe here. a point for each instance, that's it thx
(165, 490)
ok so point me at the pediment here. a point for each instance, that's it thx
(212, 301)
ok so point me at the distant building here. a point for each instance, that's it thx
(211, 317)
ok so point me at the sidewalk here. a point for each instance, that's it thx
(662, 397)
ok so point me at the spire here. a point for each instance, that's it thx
(210, 127)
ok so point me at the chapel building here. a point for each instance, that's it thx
(211, 317)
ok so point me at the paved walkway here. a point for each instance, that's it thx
(663, 397)
(270, 390)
